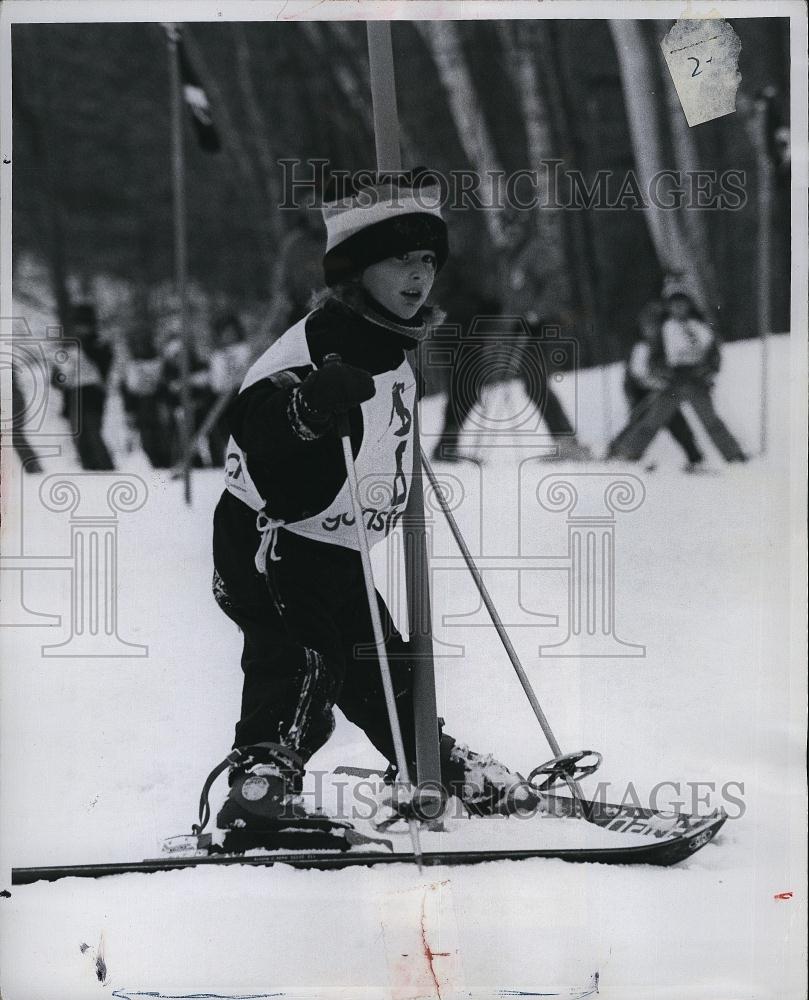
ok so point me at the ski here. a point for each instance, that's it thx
(650, 839)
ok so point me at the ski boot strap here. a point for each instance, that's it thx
(283, 755)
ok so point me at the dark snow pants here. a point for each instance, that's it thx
(153, 420)
(465, 388)
(678, 426)
(27, 455)
(84, 408)
(633, 441)
(308, 646)
(462, 401)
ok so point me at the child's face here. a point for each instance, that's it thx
(679, 307)
(401, 284)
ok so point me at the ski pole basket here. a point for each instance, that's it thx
(564, 769)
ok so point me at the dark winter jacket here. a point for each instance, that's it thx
(296, 477)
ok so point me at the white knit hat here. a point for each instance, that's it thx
(391, 215)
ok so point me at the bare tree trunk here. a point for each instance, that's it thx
(356, 98)
(647, 120)
(519, 46)
(573, 231)
(40, 114)
(55, 227)
(444, 43)
(578, 230)
(686, 160)
(267, 165)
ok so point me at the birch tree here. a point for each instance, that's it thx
(267, 165)
(686, 160)
(36, 107)
(578, 228)
(546, 250)
(443, 41)
(647, 119)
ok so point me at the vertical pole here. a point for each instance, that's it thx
(383, 94)
(764, 260)
(180, 251)
(388, 155)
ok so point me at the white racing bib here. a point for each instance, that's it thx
(686, 342)
(384, 462)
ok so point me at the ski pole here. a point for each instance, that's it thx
(498, 624)
(204, 430)
(379, 639)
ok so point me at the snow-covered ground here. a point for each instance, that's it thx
(103, 757)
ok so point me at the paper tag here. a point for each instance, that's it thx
(703, 59)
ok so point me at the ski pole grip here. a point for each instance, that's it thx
(342, 418)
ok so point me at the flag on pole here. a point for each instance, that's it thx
(196, 100)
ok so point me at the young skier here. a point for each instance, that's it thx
(287, 566)
(83, 382)
(691, 358)
(646, 373)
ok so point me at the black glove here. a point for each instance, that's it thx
(333, 389)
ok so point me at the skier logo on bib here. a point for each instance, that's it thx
(400, 410)
(233, 470)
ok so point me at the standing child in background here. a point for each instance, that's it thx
(201, 397)
(19, 405)
(691, 360)
(83, 381)
(145, 398)
(646, 373)
(287, 566)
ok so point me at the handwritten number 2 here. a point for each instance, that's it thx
(696, 71)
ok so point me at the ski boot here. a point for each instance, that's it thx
(570, 449)
(265, 783)
(264, 811)
(484, 785)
